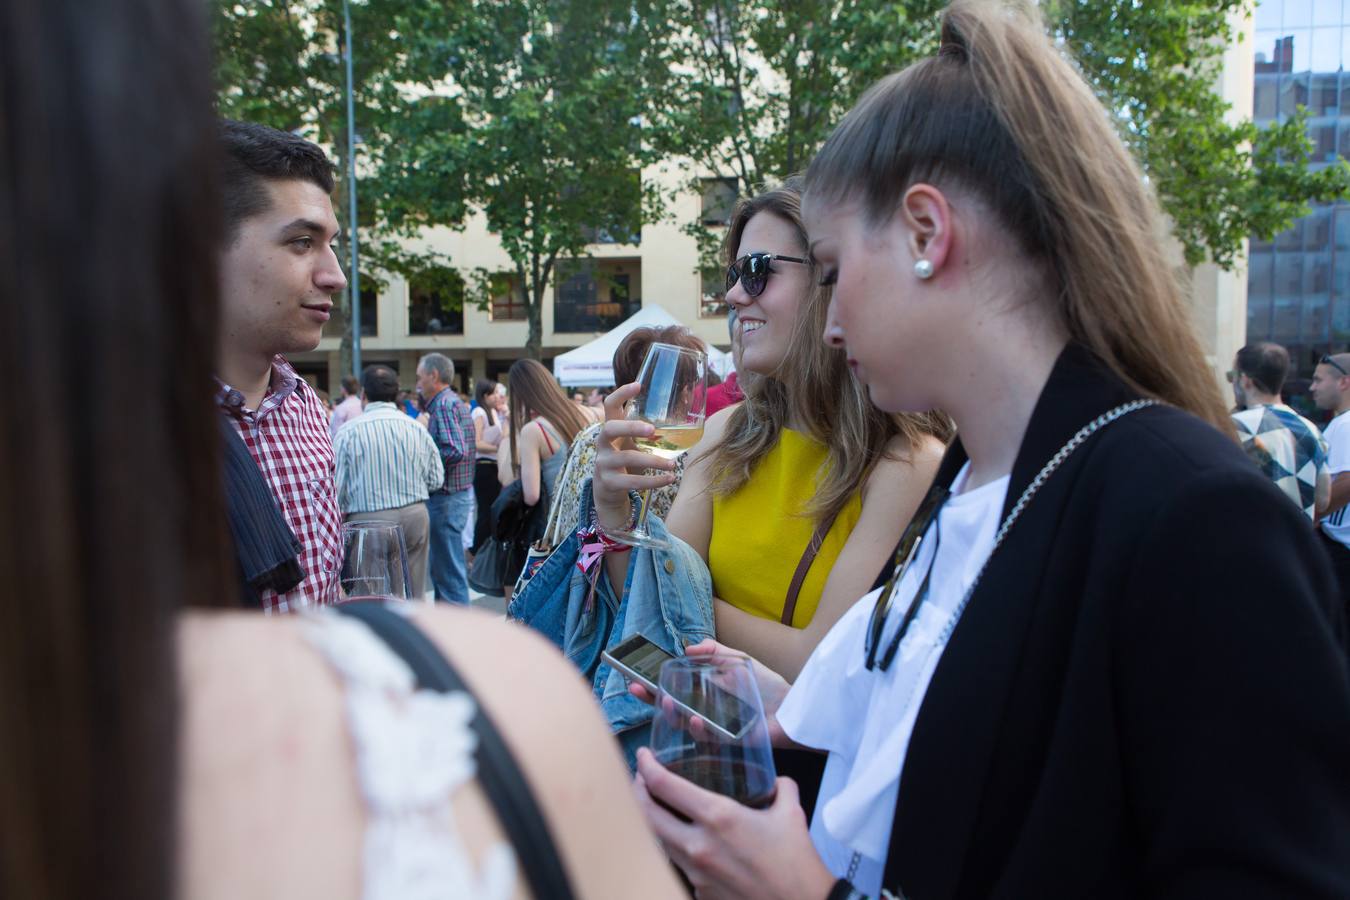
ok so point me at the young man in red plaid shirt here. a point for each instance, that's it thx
(278, 273)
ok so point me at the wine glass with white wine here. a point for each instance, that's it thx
(673, 397)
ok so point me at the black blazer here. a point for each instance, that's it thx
(1145, 696)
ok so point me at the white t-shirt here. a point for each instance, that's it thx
(864, 719)
(1337, 436)
(492, 432)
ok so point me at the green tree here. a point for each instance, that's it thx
(528, 110)
(280, 63)
(553, 94)
(764, 82)
(1155, 63)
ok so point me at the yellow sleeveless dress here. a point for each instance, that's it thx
(759, 533)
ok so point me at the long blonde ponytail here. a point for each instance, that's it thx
(1000, 110)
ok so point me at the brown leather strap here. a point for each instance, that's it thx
(804, 566)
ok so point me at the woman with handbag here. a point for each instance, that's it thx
(795, 497)
(543, 425)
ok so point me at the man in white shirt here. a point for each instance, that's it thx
(387, 464)
(1331, 390)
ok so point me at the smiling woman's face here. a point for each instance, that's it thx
(765, 322)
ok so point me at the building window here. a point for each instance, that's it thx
(436, 303)
(719, 200)
(593, 298)
(713, 303)
(370, 313)
(336, 326)
(508, 299)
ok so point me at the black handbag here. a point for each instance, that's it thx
(501, 556)
(491, 567)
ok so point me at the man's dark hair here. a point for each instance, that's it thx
(351, 385)
(1266, 364)
(255, 154)
(380, 384)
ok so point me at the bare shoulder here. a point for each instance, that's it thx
(714, 429)
(528, 674)
(267, 807)
(532, 693)
(716, 425)
(928, 451)
(904, 469)
(270, 807)
(530, 437)
(549, 718)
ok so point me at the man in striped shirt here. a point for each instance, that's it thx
(278, 275)
(387, 465)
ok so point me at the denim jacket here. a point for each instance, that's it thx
(667, 598)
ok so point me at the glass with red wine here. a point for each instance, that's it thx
(374, 562)
(710, 728)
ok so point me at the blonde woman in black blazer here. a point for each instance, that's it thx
(1111, 668)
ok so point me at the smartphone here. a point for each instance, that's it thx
(640, 660)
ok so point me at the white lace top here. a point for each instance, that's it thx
(413, 749)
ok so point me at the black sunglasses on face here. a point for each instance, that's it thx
(753, 270)
(1328, 361)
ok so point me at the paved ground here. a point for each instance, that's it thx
(480, 601)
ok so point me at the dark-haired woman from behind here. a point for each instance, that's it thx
(153, 742)
(544, 423)
(1106, 664)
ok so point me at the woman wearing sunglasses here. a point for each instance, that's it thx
(1106, 665)
(804, 463)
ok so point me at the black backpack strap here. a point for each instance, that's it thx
(498, 773)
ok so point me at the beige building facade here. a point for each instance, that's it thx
(1219, 298)
(585, 298)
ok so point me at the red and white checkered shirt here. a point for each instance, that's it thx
(288, 437)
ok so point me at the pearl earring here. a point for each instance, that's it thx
(924, 269)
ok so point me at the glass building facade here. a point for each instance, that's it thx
(1299, 283)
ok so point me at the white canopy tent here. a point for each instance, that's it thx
(592, 364)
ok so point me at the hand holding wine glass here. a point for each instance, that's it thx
(672, 398)
(710, 728)
(619, 466)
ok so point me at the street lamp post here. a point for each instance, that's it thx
(354, 286)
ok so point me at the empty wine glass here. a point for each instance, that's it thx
(374, 562)
(673, 397)
(710, 728)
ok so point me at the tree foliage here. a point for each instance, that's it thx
(766, 81)
(540, 113)
(528, 111)
(553, 95)
(280, 63)
(1155, 63)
